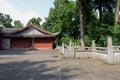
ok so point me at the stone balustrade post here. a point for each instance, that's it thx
(110, 54)
(63, 48)
(70, 43)
(93, 48)
(71, 52)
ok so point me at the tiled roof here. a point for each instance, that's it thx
(32, 25)
(9, 30)
(13, 32)
(29, 36)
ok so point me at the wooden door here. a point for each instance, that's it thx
(20, 43)
(43, 43)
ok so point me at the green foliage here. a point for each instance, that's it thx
(103, 6)
(106, 30)
(66, 39)
(35, 21)
(88, 41)
(117, 29)
(102, 41)
(108, 18)
(116, 41)
(77, 41)
(64, 18)
(18, 24)
(119, 19)
(116, 37)
(5, 20)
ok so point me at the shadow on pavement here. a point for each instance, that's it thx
(26, 70)
(13, 52)
(26, 52)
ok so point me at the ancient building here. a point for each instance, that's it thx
(29, 36)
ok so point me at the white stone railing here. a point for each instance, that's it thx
(65, 48)
(87, 49)
(109, 54)
(116, 49)
(81, 49)
(101, 50)
(68, 51)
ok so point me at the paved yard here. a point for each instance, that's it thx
(49, 65)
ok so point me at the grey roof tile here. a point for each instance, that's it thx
(9, 30)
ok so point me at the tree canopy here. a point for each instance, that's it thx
(18, 24)
(98, 20)
(62, 19)
(5, 20)
(35, 21)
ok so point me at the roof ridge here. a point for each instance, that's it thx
(36, 27)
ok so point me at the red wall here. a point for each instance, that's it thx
(43, 43)
(20, 43)
(39, 43)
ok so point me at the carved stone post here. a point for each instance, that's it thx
(71, 52)
(110, 54)
(70, 43)
(93, 48)
(63, 48)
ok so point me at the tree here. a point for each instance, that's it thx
(5, 20)
(74, 20)
(117, 11)
(18, 24)
(62, 19)
(103, 6)
(81, 23)
(35, 21)
(50, 20)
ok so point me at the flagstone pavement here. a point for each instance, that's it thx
(50, 65)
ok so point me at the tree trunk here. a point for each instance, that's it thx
(100, 14)
(81, 24)
(117, 12)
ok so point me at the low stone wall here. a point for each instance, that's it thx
(93, 55)
(83, 55)
(116, 58)
(100, 56)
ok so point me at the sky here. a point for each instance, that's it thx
(24, 10)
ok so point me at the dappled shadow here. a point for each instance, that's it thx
(27, 52)
(51, 68)
(39, 70)
(13, 52)
(26, 65)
